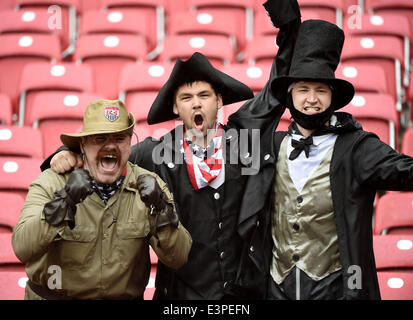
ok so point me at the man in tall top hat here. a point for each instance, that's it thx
(227, 258)
(320, 184)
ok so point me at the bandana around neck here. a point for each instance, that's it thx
(203, 164)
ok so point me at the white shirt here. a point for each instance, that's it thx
(301, 168)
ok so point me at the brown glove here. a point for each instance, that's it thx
(161, 212)
(63, 206)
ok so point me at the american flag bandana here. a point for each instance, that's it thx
(202, 169)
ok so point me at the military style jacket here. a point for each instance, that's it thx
(96, 259)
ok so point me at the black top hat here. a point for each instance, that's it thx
(197, 67)
(316, 56)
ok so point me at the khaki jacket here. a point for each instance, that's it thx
(93, 261)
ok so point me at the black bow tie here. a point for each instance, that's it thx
(302, 144)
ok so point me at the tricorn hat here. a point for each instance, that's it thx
(316, 56)
(101, 116)
(197, 67)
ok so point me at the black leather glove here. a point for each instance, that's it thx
(63, 206)
(161, 212)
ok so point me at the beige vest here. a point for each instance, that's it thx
(303, 226)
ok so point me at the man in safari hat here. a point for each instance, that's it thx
(92, 226)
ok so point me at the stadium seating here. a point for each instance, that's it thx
(142, 77)
(385, 24)
(54, 113)
(6, 113)
(396, 285)
(62, 18)
(394, 213)
(150, 287)
(242, 10)
(407, 142)
(13, 142)
(12, 274)
(384, 51)
(18, 50)
(199, 23)
(183, 46)
(331, 10)
(154, 10)
(255, 77)
(376, 113)
(365, 77)
(115, 22)
(393, 251)
(12, 204)
(261, 49)
(67, 77)
(106, 54)
(16, 174)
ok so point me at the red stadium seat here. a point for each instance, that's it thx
(150, 287)
(407, 142)
(62, 18)
(7, 255)
(13, 142)
(6, 114)
(24, 21)
(66, 77)
(385, 24)
(183, 46)
(54, 113)
(16, 173)
(154, 10)
(115, 22)
(379, 50)
(142, 77)
(229, 109)
(12, 284)
(18, 50)
(365, 77)
(396, 7)
(261, 49)
(154, 257)
(394, 213)
(9, 216)
(376, 113)
(255, 77)
(331, 10)
(106, 54)
(242, 10)
(396, 285)
(393, 251)
(140, 104)
(199, 22)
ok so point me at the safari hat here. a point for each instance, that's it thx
(101, 116)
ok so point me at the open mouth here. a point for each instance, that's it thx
(108, 162)
(199, 121)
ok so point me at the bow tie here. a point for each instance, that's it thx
(302, 144)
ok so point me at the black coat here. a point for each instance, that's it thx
(361, 164)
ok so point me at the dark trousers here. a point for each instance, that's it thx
(299, 286)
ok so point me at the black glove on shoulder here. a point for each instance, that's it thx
(161, 212)
(63, 206)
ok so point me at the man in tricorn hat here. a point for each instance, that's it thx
(227, 259)
(85, 234)
(327, 171)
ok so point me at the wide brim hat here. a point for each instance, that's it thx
(101, 117)
(197, 67)
(316, 56)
